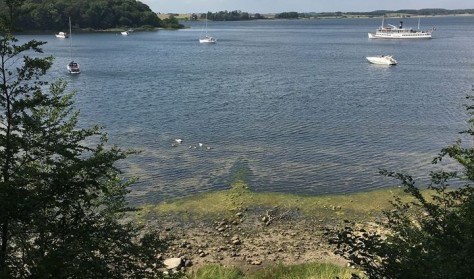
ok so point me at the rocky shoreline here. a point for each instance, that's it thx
(250, 240)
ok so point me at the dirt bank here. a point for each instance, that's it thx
(250, 240)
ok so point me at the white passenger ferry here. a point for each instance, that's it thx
(393, 32)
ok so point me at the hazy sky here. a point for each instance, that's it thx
(278, 6)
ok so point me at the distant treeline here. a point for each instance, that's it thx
(378, 13)
(239, 15)
(227, 16)
(86, 14)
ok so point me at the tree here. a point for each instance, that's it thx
(431, 236)
(171, 22)
(96, 14)
(11, 7)
(62, 198)
(287, 15)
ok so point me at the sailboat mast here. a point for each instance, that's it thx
(70, 38)
(206, 24)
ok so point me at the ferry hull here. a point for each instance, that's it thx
(399, 36)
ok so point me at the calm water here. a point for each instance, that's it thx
(294, 101)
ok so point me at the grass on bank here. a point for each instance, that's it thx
(302, 271)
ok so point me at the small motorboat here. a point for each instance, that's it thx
(382, 60)
(124, 33)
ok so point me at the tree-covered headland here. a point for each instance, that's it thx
(39, 15)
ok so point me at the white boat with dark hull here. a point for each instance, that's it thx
(73, 68)
(392, 32)
(382, 60)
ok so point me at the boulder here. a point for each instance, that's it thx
(172, 263)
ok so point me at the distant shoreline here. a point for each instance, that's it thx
(271, 16)
(185, 17)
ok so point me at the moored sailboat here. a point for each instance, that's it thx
(206, 39)
(72, 67)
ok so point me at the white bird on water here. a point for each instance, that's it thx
(179, 141)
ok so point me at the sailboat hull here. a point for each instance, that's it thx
(74, 68)
(207, 40)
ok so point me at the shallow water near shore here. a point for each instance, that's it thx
(295, 102)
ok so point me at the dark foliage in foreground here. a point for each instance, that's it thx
(62, 200)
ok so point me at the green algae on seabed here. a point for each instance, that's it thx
(239, 197)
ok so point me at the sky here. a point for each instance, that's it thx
(278, 6)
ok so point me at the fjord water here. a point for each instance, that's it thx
(294, 103)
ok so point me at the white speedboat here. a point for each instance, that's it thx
(62, 35)
(382, 60)
(124, 33)
(392, 32)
